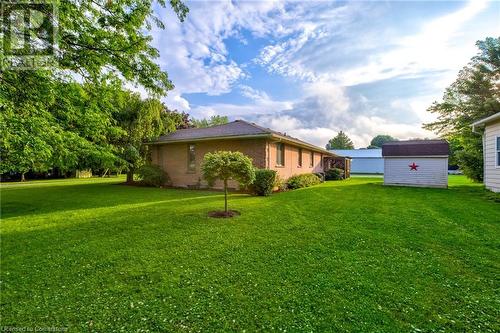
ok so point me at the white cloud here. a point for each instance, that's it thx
(258, 96)
(361, 129)
(242, 111)
(194, 52)
(177, 102)
(320, 114)
(327, 109)
(434, 48)
(444, 44)
(328, 47)
(311, 25)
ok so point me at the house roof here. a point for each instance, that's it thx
(238, 129)
(416, 148)
(486, 120)
(359, 153)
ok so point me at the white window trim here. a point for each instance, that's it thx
(189, 170)
(281, 154)
(497, 150)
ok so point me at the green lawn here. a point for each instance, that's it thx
(354, 255)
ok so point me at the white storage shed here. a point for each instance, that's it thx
(422, 163)
(363, 160)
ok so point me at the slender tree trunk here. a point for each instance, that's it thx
(22, 177)
(130, 176)
(225, 195)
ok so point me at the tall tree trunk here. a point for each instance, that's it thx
(130, 176)
(225, 195)
(22, 177)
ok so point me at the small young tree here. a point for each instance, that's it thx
(379, 140)
(341, 141)
(226, 165)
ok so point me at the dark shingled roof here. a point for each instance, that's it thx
(236, 129)
(416, 148)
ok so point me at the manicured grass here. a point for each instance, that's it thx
(354, 255)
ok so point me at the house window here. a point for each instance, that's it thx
(191, 158)
(280, 154)
(498, 151)
(300, 157)
(159, 159)
(311, 160)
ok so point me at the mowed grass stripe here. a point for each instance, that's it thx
(342, 256)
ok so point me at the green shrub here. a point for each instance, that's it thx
(321, 176)
(264, 182)
(152, 175)
(334, 174)
(280, 183)
(304, 180)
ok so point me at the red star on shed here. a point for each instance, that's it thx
(413, 166)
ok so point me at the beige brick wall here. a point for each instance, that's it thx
(173, 158)
(291, 166)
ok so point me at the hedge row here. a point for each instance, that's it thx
(303, 180)
(264, 184)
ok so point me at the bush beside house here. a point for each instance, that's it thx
(152, 175)
(304, 180)
(264, 182)
(334, 174)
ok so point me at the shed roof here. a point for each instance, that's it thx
(359, 153)
(238, 129)
(416, 148)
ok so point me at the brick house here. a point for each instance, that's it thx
(180, 153)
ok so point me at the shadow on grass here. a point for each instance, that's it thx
(37, 201)
(51, 199)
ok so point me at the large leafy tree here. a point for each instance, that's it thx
(212, 121)
(99, 37)
(380, 139)
(475, 94)
(60, 125)
(226, 165)
(96, 38)
(25, 141)
(142, 121)
(176, 119)
(340, 141)
(103, 44)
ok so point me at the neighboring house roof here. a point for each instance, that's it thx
(486, 120)
(416, 148)
(238, 129)
(358, 153)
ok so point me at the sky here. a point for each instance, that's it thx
(311, 69)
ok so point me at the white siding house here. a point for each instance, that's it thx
(363, 160)
(491, 150)
(422, 163)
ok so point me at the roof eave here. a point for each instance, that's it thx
(210, 138)
(486, 120)
(252, 136)
(303, 144)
